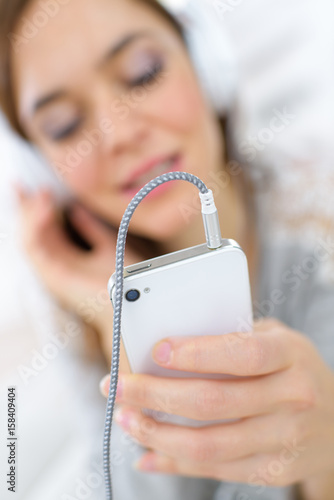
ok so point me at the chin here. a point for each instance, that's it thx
(161, 229)
(163, 218)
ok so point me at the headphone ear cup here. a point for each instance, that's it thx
(210, 49)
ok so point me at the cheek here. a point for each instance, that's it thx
(187, 114)
(75, 166)
(180, 102)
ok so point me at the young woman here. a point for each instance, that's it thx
(107, 91)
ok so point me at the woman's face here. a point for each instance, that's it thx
(107, 91)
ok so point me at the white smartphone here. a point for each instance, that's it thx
(196, 291)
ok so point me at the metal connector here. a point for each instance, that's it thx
(211, 221)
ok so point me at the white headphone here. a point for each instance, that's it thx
(210, 49)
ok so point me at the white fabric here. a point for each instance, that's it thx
(270, 58)
(21, 161)
(210, 48)
(285, 58)
(58, 439)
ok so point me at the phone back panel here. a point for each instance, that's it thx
(208, 294)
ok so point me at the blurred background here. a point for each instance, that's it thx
(270, 70)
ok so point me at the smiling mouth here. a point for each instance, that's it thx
(159, 169)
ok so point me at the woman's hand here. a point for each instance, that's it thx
(77, 278)
(285, 408)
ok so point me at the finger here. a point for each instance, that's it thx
(105, 383)
(259, 471)
(211, 444)
(27, 200)
(44, 237)
(36, 211)
(96, 232)
(240, 471)
(268, 348)
(205, 399)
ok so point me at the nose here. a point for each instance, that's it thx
(127, 126)
(129, 132)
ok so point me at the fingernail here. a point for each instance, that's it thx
(163, 353)
(146, 463)
(104, 385)
(123, 418)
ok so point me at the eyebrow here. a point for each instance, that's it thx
(113, 52)
(124, 42)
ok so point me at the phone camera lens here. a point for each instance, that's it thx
(132, 295)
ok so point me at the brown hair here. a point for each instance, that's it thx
(10, 13)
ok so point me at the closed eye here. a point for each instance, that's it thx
(148, 76)
(67, 131)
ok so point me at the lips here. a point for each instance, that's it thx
(149, 171)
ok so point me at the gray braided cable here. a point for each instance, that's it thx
(118, 303)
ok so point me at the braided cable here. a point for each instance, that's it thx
(118, 304)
